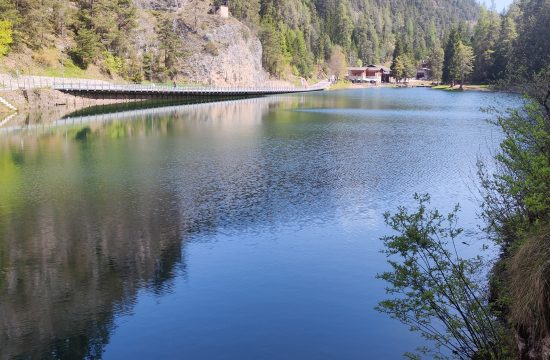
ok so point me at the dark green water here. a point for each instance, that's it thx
(233, 230)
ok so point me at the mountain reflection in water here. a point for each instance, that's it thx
(99, 209)
(79, 235)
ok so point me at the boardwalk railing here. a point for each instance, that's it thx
(28, 82)
(99, 86)
(136, 89)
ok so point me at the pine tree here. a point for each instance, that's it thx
(397, 52)
(436, 63)
(448, 71)
(403, 67)
(410, 66)
(503, 48)
(532, 48)
(398, 70)
(170, 46)
(484, 40)
(88, 47)
(273, 57)
(300, 55)
(246, 10)
(362, 42)
(344, 27)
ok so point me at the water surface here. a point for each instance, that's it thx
(243, 229)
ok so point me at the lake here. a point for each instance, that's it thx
(245, 229)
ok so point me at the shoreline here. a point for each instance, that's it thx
(43, 105)
(466, 87)
(412, 84)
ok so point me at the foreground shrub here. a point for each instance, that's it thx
(436, 291)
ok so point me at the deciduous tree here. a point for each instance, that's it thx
(5, 37)
(463, 62)
(434, 290)
(337, 63)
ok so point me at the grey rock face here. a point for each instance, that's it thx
(168, 5)
(238, 61)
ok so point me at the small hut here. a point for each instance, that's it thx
(221, 8)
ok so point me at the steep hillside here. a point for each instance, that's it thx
(218, 50)
(165, 40)
(153, 40)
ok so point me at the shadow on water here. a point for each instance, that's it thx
(148, 104)
(83, 133)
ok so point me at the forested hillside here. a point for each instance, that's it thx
(512, 46)
(161, 40)
(303, 33)
(506, 49)
(148, 40)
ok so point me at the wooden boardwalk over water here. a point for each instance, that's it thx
(86, 89)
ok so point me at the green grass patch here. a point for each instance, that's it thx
(341, 84)
(69, 70)
(466, 87)
(447, 88)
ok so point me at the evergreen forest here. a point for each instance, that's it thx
(458, 40)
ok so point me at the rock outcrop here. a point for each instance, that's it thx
(230, 56)
(217, 51)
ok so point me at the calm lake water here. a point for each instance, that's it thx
(244, 229)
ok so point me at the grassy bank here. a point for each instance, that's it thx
(341, 84)
(476, 87)
(344, 84)
(511, 318)
(516, 208)
(520, 287)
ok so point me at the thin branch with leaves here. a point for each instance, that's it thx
(435, 289)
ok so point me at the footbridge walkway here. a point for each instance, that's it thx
(84, 89)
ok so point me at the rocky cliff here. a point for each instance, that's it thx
(211, 49)
(216, 50)
(230, 55)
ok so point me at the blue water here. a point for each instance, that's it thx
(243, 229)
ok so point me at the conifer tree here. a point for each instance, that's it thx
(436, 64)
(396, 66)
(503, 48)
(344, 27)
(532, 47)
(273, 55)
(486, 34)
(170, 46)
(88, 47)
(300, 55)
(448, 71)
